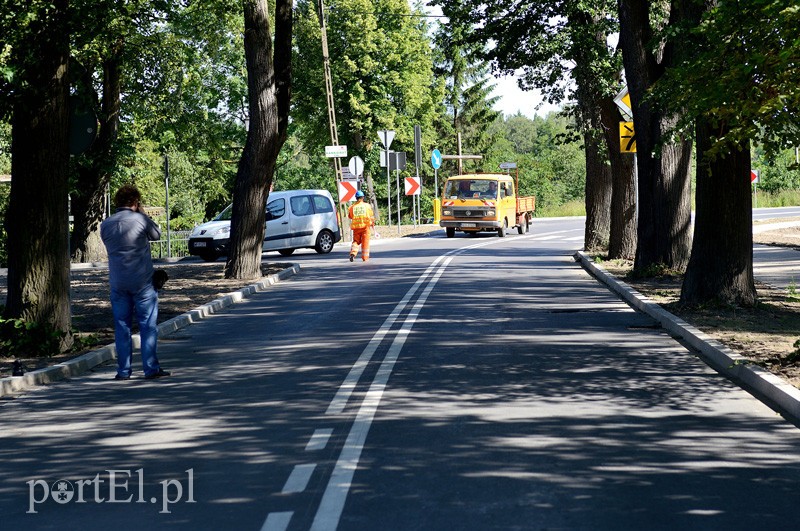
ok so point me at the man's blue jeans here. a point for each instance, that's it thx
(144, 304)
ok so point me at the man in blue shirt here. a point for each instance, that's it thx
(127, 236)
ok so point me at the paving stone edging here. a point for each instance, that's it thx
(767, 387)
(86, 362)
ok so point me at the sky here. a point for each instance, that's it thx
(513, 99)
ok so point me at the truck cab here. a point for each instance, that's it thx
(480, 202)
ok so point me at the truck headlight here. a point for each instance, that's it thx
(447, 212)
(221, 230)
(490, 213)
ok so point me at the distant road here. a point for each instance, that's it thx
(774, 213)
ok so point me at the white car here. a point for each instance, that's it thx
(295, 219)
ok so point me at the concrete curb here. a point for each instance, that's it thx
(86, 362)
(767, 387)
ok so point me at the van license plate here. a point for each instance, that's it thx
(199, 244)
(468, 225)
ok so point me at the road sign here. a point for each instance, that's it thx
(508, 165)
(356, 166)
(386, 138)
(335, 151)
(397, 160)
(627, 138)
(412, 186)
(623, 101)
(347, 191)
(347, 176)
(436, 159)
(754, 177)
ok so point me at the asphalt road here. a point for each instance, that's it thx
(466, 383)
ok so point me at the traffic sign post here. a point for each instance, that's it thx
(623, 101)
(386, 138)
(412, 186)
(436, 162)
(627, 138)
(335, 151)
(347, 191)
(754, 180)
(356, 166)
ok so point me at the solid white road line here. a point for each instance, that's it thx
(277, 521)
(332, 504)
(339, 401)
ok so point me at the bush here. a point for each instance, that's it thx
(19, 338)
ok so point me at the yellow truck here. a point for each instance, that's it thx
(484, 202)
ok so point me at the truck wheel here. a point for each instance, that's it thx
(450, 231)
(523, 227)
(501, 232)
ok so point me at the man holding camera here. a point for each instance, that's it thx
(127, 235)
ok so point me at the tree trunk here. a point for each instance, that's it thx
(94, 172)
(721, 265)
(268, 86)
(598, 195)
(664, 183)
(622, 234)
(37, 224)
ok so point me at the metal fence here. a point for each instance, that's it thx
(176, 245)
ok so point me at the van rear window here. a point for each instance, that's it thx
(322, 204)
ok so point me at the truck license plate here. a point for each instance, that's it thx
(468, 225)
(199, 244)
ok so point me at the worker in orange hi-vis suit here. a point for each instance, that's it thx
(362, 220)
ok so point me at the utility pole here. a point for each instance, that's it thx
(337, 163)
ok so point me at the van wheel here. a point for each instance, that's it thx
(450, 231)
(285, 252)
(501, 232)
(209, 257)
(325, 242)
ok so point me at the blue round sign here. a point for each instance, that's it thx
(436, 159)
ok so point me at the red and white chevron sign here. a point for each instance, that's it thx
(347, 191)
(412, 186)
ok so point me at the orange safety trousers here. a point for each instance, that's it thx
(360, 237)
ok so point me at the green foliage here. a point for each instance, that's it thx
(29, 339)
(741, 73)
(382, 75)
(780, 172)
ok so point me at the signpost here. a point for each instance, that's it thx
(347, 191)
(412, 186)
(436, 162)
(335, 151)
(754, 180)
(627, 138)
(356, 166)
(386, 138)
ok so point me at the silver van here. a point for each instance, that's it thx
(295, 219)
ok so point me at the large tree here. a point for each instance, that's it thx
(269, 69)
(664, 182)
(743, 49)
(35, 81)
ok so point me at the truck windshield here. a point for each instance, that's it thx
(471, 188)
